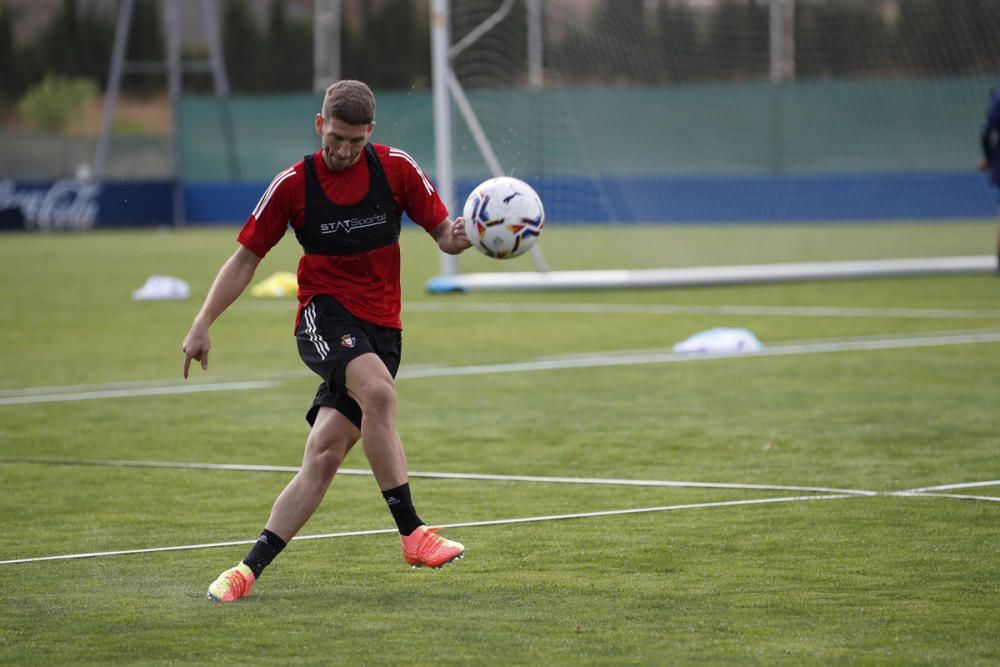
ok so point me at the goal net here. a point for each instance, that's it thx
(716, 111)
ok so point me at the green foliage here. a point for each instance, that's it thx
(258, 60)
(677, 42)
(145, 44)
(738, 40)
(51, 104)
(10, 84)
(293, 40)
(847, 38)
(842, 40)
(625, 41)
(391, 47)
(76, 42)
(970, 25)
(240, 33)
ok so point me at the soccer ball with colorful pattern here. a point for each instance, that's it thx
(503, 217)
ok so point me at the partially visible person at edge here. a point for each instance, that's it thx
(990, 139)
(344, 203)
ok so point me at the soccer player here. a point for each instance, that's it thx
(990, 137)
(344, 203)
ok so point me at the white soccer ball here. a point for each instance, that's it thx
(503, 217)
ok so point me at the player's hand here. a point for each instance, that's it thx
(450, 236)
(196, 346)
(458, 235)
(983, 164)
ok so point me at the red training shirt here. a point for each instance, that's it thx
(366, 284)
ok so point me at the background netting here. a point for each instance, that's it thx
(646, 104)
(667, 110)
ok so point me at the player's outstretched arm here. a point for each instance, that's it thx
(233, 278)
(450, 236)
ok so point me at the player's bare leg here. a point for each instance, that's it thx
(330, 439)
(371, 385)
(332, 436)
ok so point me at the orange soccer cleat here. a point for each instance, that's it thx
(232, 584)
(425, 547)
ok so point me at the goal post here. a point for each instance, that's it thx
(447, 89)
(440, 71)
(733, 111)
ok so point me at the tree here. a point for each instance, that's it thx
(841, 41)
(622, 42)
(969, 28)
(145, 43)
(241, 47)
(677, 42)
(390, 48)
(294, 41)
(738, 41)
(75, 43)
(10, 74)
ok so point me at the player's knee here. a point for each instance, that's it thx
(379, 397)
(329, 459)
(323, 466)
(326, 450)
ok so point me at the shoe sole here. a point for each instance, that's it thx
(216, 600)
(417, 566)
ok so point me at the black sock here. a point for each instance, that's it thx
(402, 509)
(268, 546)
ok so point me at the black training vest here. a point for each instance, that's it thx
(331, 229)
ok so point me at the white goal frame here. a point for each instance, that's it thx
(447, 89)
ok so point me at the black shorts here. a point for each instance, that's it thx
(328, 338)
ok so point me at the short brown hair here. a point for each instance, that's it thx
(350, 101)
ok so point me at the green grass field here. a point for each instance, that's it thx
(708, 575)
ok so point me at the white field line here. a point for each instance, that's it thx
(674, 309)
(495, 522)
(149, 384)
(959, 496)
(105, 386)
(673, 357)
(597, 360)
(946, 487)
(164, 464)
(158, 390)
(444, 475)
(247, 467)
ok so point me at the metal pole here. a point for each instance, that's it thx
(440, 75)
(782, 43)
(326, 43)
(114, 85)
(174, 81)
(221, 82)
(782, 38)
(535, 44)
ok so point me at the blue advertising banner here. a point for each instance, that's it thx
(74, 204)
(221, 203)
(712, 199)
